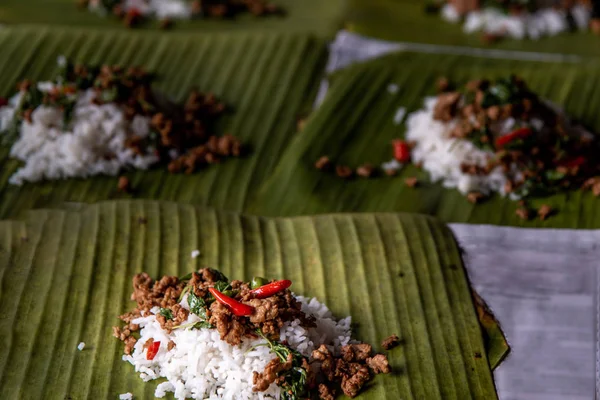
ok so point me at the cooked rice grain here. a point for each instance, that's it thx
(202, 366)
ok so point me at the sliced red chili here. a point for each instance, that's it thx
(401, 150)
(134, 13)
(574, 162)
(152, 350)
(270, 289)
(520, 133)
(69, 89)
(239, 309)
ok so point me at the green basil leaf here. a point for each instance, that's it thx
(222, 286)
(186, 277)
(553, 175)
(197, 305)
(202, 324)
(219, 276)
(166, 312)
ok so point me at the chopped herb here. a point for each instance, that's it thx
(69, 108)
(532, 187)
(194, 325)
(184, 292)
(197, 305)
(186, 277)
(553, 175)
(482, 138)
(503, 91)
(33, 98)
(166, 312)
(295, 379)
(225, 288)
(110, 4)
(219, 276)
(109, 95)
(202, 324)
(222, 286)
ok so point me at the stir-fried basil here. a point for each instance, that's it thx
(166, 312)
(294, 379)
(198, 307)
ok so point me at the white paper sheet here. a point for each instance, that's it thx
(542, 285)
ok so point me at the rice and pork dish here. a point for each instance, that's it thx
(103, 120)
(519, 19)
(133, 12)
(497, 136)
(211, 338)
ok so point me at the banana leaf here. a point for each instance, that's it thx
(495, 342)
(70, 276)
(496, 345)
(314, 16)
(407, 21)
(268, 80)
(355, 125)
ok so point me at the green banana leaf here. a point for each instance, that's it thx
(406, 21)
(69, 276)
(495, 342)
(268, 80)
(355, 125)
(315, 16)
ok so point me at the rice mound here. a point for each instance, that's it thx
(176, 9)
(94, 142)
(202, 366)
(442, 155)
(543, 22)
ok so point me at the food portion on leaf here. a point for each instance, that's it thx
(497, 136)
(102, 120)
(212, 337)
(133, 12)
(519, 19)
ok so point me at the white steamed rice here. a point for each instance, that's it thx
(442, 155)
(543, 22)
(202, 366)
(94, 142)
(176, 9)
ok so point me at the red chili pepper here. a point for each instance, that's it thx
(270, 289)
(401, 150)
(574, 162)
(69, 89)
(520, 133)
(239, 309)
(134, 13)
(152, 350)
(3, 102)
